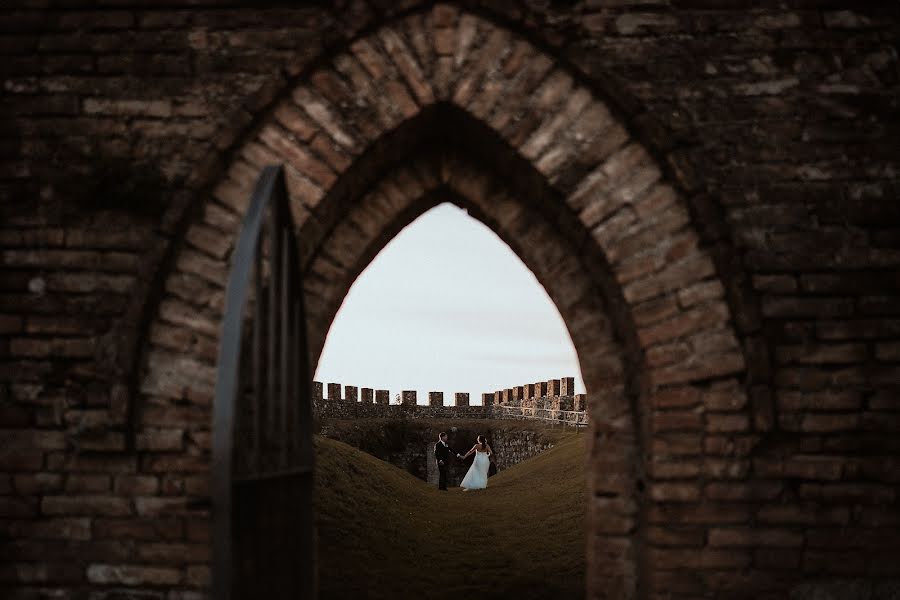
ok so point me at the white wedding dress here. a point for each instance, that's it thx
(477, 477)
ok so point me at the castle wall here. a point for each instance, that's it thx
(564, 407)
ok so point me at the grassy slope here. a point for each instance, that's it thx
(385, 534)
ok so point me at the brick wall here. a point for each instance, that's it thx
(775, 123)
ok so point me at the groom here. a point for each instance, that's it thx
(442, 455)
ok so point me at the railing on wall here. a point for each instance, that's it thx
(262, 537)
(574, 418)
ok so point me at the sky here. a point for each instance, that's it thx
(447, 306)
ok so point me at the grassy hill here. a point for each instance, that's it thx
(385, 534)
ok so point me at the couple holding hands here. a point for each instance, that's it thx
(477, 476)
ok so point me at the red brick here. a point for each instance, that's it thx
(857, 328)
(52, 529)
(743, 536)
(92, 463)
(18, 507)
(819, 401)
(674, 492)
(198, 530)
(822, 354)
(325, 117)
(814, 467)
(743, 491)
(198, 576)
(713, 342)
(87, 484)
(14, 458)
(798, 306)
(172, 553)
(777, 558)
(679, 444)
(706, 558)
(829, 422)
(652, 311)
(611, 524)
(11, 324)
(295, 121)
(297, 156)
(728, 396)
(198, 485)
(778, 284)
(700, 292)
(676, 536)
(57, 347)
(686, 322)
(677, 421)
(675, 275)
(725, 468)
(700, 513)
(138, 529)
(407, 65)
(698, 369)
(161, 440)
(158, 506)
(802, 514)
(676, 397)
(720, 423)
(46, 572)
(175, 463)
(136, 485)
(85, 505)
(153, 108)
(38, 483)
(133, 575)
(862, 493)
(833, 563)
(667, 354)
(674, 469)
(445, 41)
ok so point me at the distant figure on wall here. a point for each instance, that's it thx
(442, 456)
(477, 477)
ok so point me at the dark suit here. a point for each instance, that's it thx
(442, 454)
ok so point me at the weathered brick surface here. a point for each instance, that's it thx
(734, 168)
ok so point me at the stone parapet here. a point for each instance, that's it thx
(529, 401)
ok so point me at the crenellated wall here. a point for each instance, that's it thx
(550, 401)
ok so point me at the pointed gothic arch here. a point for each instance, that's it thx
(551, 168)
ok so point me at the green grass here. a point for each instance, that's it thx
(385, 534)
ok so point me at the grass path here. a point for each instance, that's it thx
(385, 534)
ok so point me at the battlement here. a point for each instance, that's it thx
(554, 400)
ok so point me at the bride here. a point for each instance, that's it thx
(476, 478)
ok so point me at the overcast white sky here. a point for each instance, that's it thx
(447, 306)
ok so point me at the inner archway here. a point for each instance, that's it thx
(476, 540)
(428, 180)
(446, 306)
(541, 160)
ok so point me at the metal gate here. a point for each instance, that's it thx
(262, 475)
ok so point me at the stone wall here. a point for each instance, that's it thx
(512, 446)
(409, 444)
(553, 401)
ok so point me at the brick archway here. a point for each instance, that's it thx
(651, 292)
(407, 192)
